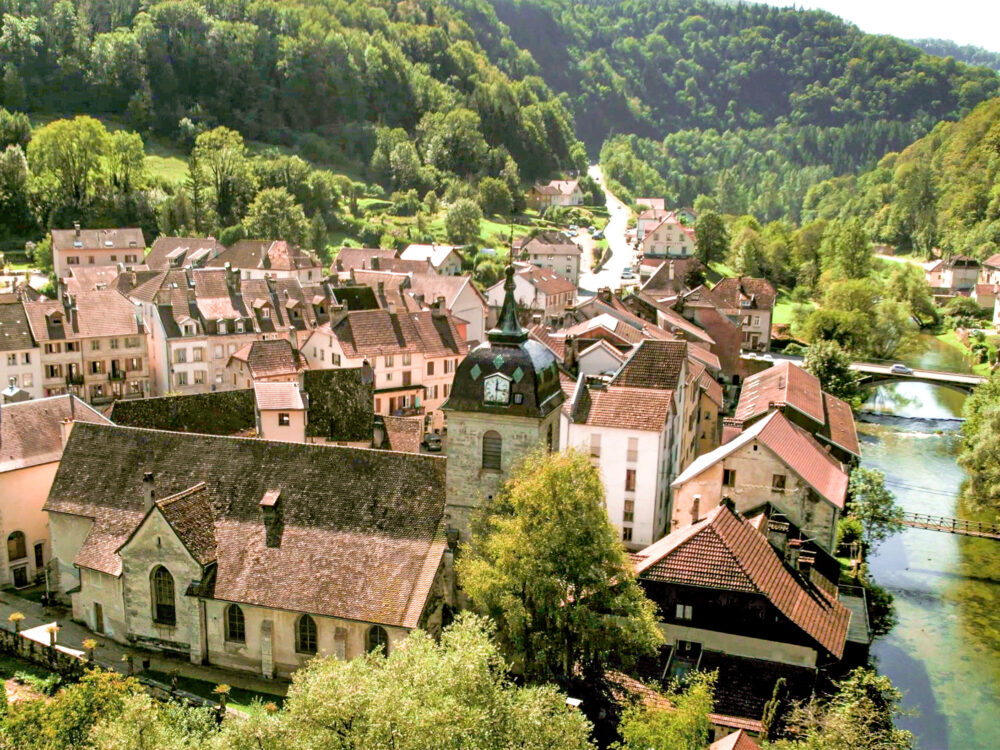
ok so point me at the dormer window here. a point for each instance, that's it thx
(239, 326)
(265, 313)
(222, 326)
(189, 329)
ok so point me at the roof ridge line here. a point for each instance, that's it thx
(182, 494)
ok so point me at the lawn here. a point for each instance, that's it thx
(246, 701)
(169, 168)
(951, 339)
(718, 270)
(784, 307)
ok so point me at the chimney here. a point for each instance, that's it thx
(670, 270)
(270, 509)
(148, 492)
(806, 560)
(376, 266)
(378, 432)
(695, 508)
(569, 352)
(65, 428)
(604, 295)
(792, 552)
(76, 229)
(440, 308)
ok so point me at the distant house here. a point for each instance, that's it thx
(990, 271)
(750, 303)
(32, 436)
(20, 354)
(540, 290)
(96, 247)
(667, 239)
(648, 219)
(659, 204)
(444, 259)
(554, 251)
(986, 295)
(178, 252)
(555, 193)
(269, 361)
(953, 275)
(269, 259)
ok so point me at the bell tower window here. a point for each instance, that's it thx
(492, 450)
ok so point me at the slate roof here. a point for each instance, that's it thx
(654, 364)
(359, 528)
(371, 333)
(190, 515)
(546, 281)
(270, 358)
(30, 432)
(550, 243)
(624, 407)
(730, 293)
(167, 252)
(272, 255)
(724, 551)
(278, 397)
(15, 333)
(796, 448)
(119, 239)
(404, 433)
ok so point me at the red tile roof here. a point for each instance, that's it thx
(783, 383)
(840, 428)
(278, 396)
(724, 551)
(555, 344)
(654, 364)
(738, 740)
(404, 433)
(30, 431)
(371, 333)
(993, 261)
(627, 408)
(795, 447)
(270, 358)
(546, 281)
(99, 239)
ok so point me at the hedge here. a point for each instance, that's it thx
(219, 413)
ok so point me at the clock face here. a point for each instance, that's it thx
(496, 390)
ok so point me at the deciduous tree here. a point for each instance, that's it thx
(873, 505)
(461, 223)
(547, 565)
(274, 215)
(832, 365)
(711, 237)
(684, 726)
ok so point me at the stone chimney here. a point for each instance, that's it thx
(695, 508)
(670, 270)
(440, 308)
(378, 432)
(148, 491)
(270, 509)
(569, 352)
(76, 229)
(65, 428)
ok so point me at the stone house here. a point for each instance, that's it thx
(989, 272)
(32, 436)
(555, 193)
(950, 276)
(413, 355)
(798, 394)
(96, 247)
(444, 259)
(536, 289)
(244, 553)
(554, 251)
(20, 354)
(773, 462)
(93, 344)
(749, 302)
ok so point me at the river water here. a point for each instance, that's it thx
(945, 651)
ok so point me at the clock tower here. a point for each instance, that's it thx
(504, 403)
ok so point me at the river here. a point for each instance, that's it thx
(944, 652)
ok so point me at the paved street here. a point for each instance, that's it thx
(622, 253)
(109, 653)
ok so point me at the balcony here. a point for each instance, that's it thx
(120, 375)
(74, 379)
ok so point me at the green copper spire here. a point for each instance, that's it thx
(508, 330)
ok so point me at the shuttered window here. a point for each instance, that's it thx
(492, 449)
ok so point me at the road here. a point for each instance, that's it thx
(961, 378)
(622, 254)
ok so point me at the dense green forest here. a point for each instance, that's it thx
(324, 76)
(966, 53)
(943, 190)
(745, 102)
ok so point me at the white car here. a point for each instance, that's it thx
(900, 369)
(627, 273)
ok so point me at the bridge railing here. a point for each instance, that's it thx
(954, 525)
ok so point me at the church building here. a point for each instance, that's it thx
(504, 403)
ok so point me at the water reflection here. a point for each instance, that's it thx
(945, 651)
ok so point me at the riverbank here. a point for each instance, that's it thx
(950, 338)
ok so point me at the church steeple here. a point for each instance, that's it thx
(508, 329)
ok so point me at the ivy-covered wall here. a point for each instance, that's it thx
(221, 413)
(341, 405)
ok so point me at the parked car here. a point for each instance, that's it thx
(573, 226)
(432, 442)
(900, 369)
(598, 235)
(627, 273)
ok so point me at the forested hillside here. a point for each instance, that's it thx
(744, 101)
(943, 190)
(321, 75)
(966, 53)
